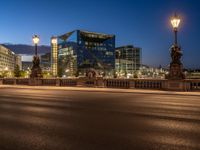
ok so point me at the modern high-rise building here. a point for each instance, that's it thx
(8, 59)
(82, 51)
(128, 61)
(54, 56)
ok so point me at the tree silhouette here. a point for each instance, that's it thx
(17, 71)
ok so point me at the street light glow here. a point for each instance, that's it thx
(6, 69)
(67, 70)
(36, 39)
(175, 21)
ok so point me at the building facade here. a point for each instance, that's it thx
(82, 51)
(27, 65)
(128, 61)
(18, 61)
(54, 56)
(45, 62)
(7, 59)
(148, 72)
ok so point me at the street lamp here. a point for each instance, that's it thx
(176, 66)
(36, 71)
(175, 21)
(36, 40)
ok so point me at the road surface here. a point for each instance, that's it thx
(32, 119)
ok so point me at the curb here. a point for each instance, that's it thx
(105, 90)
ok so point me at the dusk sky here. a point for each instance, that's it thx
(142, 23)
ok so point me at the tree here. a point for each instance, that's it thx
(77, 73)
(4, 74)
(60, 71)
(136, 74)
(17, 72)
(23, 74)
(46, 74)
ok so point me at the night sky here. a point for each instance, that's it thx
(143, 23)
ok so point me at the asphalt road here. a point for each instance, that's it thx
(77, 120)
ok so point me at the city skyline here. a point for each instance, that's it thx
(102, 75)
(131, 22)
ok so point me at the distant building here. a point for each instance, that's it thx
(82, 51)
(27, 65)
(46, 61)
(8, 59)
(192, 73)
(152, 72)
(128, 61)
(18, 61)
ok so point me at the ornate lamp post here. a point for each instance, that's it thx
(176, 67)
(175, 21)
(36, 71)
(36, 40)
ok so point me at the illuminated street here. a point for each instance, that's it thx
(32, 119)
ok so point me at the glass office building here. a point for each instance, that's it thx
(81, 51)
(128, 61)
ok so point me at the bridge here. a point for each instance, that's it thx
(157, 84)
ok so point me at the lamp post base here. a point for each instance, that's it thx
(176, 72)
(176, 85)
(36, 71)
(176, 67)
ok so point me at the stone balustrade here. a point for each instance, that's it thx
(194, 84)
(149, 84)
(160, 84)
(117, 83)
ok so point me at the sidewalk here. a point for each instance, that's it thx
(110, 90)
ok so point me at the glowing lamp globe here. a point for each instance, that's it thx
(36, 39)
(175, 21)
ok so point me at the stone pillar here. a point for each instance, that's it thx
(100, 82)
(58, 82)
(35, 82)
(132, 84)
(176, 85)
(15, 81)
(1, 81)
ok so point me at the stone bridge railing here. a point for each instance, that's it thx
(194, 84)
(161, 84)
